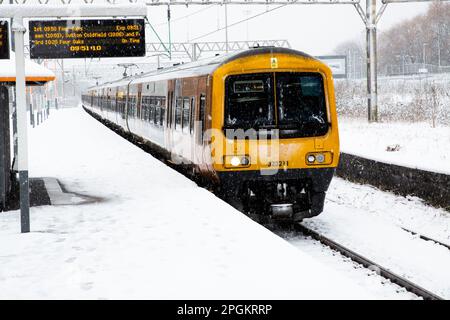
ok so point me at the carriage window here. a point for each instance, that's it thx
(186, 104)
(163, 111)
(170, 110)
(131, 106)
(201, 117)
(157, 115)
(144, 108)
(178, 113)
(192, 115)
(158, 111)
(152, 113)
(138, 106)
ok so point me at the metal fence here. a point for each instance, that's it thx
(415, 68)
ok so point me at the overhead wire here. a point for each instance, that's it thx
(186, 16)
(238, 22)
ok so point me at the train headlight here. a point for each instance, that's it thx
(236, 161)
(245, 161)
(311, 158)
(319, 158)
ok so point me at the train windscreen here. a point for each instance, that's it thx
(250, 102)
(292, 102)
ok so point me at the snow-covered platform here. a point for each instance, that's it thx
(412, 145)
(151, 233)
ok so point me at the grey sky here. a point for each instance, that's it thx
(315, 29)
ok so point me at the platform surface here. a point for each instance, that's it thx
(151, 233)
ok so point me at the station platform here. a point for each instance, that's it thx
(130, 227)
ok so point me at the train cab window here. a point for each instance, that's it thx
(178, 113)
(250, 102)
(186, 105)
(192, 116)
(292, 102)
(301, 103)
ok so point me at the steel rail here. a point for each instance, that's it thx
(426, 238)
(408, 285)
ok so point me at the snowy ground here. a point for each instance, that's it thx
(421, 146)
(152, 234)
(369, 222)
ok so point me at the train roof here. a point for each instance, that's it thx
(201, 67)
(35, 74)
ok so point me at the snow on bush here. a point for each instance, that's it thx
(406, 100)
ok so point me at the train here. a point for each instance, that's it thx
(258, 126)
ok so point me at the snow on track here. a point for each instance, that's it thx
(369, 222)
(367, 278)
(155, 234)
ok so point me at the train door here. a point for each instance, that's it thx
(201, 155)
(201, 126)
(169, 115)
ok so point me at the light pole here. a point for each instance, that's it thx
(226, 28)
(402, 58)
(371, 51)
(424, 57)
(247, 14)
(439, 47)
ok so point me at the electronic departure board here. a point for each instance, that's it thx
(4, 41)
(58, 39)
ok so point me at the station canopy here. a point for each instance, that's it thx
(35, 74)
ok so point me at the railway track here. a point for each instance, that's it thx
(384, 272)
(426, 238)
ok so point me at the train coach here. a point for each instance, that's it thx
(258, 125)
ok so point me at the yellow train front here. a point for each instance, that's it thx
(259, 125)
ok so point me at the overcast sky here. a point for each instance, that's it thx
(315, 29)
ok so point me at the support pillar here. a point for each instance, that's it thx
(5, 152)
(22, 134)
(372, 83)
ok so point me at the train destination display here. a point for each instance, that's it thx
(58, 39)
(4, 41)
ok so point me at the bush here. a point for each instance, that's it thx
(398, 100)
